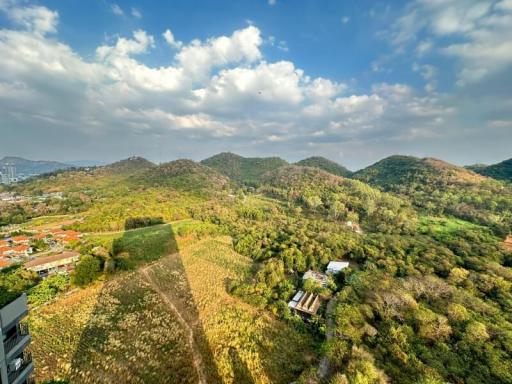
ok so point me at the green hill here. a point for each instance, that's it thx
(184, 175)
(246, 170)
(500, 171)
(340, 198)
(326, 165)
(129, 166)
(438, 187)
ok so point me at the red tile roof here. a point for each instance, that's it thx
(4, 263)
(21, 248)
(20, 238)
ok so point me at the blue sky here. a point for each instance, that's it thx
(352, 81)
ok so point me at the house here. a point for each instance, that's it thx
(20, 240)
(47, 265)
(305, 303)
(6, 251)
(335, 267)
(22, 250)
(4, 243)
(5, 262)
(320, 278)
(40, 236)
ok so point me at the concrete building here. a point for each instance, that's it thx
(15, 361)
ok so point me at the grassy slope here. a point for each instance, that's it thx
(94, 333)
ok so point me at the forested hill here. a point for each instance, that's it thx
(340, 198)
(247, 170)
(326, 165)
(183, 175)
(438, 187)
(29, 167)
(500, 171)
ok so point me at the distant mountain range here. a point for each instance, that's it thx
(31, 167)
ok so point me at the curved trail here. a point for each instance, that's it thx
(197, 358)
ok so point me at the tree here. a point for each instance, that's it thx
(87, 270)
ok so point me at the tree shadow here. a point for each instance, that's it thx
(145, 326)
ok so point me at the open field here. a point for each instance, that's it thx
(171, 320)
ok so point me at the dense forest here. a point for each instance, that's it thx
(428, 294)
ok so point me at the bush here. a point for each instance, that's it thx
(86, 271)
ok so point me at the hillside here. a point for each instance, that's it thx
(184, 175)
(247, 170)
(340, 198)
(326, 165)
(438, 187)
(500, 171)
(32, 167)
(129, 166)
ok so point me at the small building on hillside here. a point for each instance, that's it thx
(62, 263)
(335, 267)
(305, 303)
(320, 278)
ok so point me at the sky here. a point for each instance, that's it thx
(352, 81)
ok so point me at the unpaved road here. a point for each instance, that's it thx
(198, 360)
(323, 367)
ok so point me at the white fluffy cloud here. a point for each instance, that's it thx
(476, 33)
(212, 94)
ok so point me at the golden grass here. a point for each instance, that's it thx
(124, 330)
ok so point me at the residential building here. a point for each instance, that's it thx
(60, 263)
(5, 262)
(15, 360)
(335, 267)
(320, 278)
(20, 240)
(305, 303)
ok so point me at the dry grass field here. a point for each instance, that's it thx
(170, 321)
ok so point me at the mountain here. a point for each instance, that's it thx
(32, 167)
(184, 175)
(500, 171)
(405, 170)
(247, 170)
(326, 165)
(130, 165)
(438, 187)
(340, 198)
(86, 163)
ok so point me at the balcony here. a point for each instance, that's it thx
(21, 337)
(21, 374)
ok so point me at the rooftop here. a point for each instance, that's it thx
(49, 259)
(305, 302)
(337, 266)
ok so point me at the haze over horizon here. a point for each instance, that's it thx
(352, 82)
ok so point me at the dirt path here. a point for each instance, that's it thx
(198, 360)
(323, 367)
